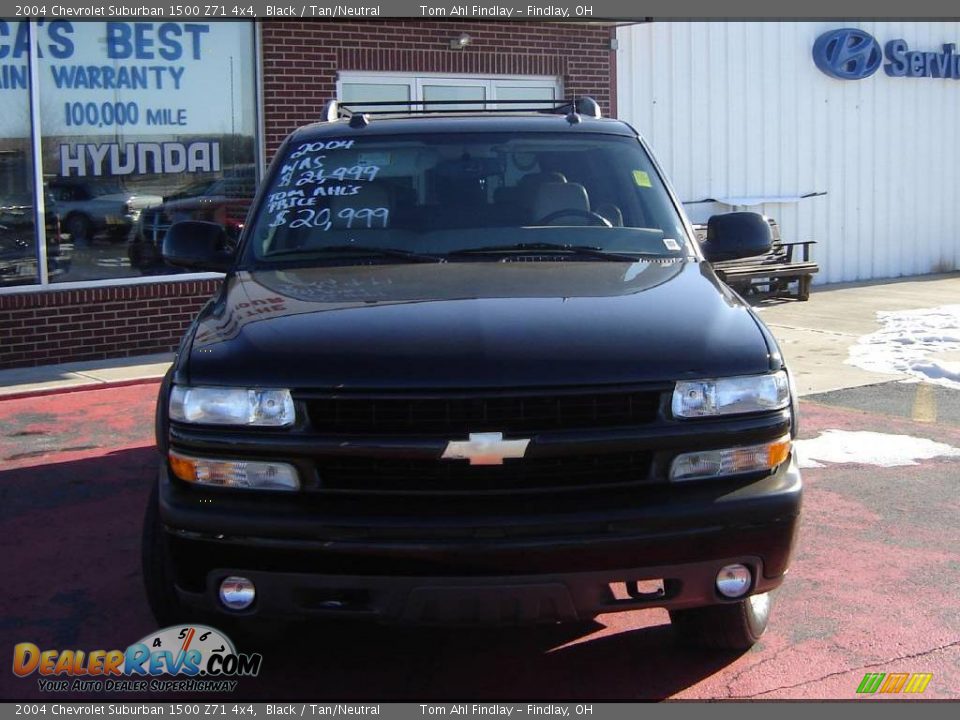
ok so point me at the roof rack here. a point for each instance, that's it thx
(336, 109)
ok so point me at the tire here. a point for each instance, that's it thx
(79, 227)
(119, 234)
(144, 256)
(157, 567)
(732, 626)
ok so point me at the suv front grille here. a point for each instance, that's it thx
(455, 417)
(528, 474)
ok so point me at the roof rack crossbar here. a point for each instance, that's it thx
(336, 109)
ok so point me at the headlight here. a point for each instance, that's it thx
(231, 406)
(250, 474)
(731, 395)
(730, 461)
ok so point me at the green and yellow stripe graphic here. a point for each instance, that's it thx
(894, 683)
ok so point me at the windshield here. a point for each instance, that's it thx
(459, 194)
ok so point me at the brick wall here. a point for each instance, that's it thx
(56, 326)
(301, 59)
(300, 63)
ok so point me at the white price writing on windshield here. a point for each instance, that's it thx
(369, 215)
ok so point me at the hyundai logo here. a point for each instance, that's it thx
(847, 54)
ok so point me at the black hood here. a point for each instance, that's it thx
(475, 325)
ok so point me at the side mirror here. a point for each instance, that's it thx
(198, 245)
(737, 235)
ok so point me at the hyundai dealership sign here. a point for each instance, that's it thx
(853, 54)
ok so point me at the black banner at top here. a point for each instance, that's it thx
(506, 10)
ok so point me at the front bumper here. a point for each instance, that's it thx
(320, 559)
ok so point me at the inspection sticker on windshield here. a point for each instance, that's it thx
(641, 178)
(671, 244)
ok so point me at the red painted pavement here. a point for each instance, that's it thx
(872, 588)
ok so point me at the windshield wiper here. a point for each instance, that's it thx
(580, 250)
(368, 250)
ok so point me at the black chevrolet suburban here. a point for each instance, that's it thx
(466, 367)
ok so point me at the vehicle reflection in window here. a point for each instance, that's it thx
(18, 244)
(223, 200)
(92, 209)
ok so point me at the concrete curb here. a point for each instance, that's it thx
(63, 389)
(89, 375)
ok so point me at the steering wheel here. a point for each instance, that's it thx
(596, 218)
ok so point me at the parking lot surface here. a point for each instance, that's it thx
(872, 587)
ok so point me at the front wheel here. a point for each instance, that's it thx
(144, 256)
(79, 227)
(732, 626)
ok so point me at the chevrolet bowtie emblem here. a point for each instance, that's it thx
(485, 449)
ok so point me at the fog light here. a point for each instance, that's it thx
(733, 580)
(237, 593)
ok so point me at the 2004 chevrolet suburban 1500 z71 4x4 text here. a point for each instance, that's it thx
(473, 367)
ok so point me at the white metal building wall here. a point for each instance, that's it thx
(737, 109)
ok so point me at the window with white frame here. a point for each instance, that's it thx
(356, 88)
(116, 150)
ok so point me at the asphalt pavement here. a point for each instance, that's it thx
(872, 587)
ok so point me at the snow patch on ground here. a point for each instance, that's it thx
(869, 448)
(908, 342)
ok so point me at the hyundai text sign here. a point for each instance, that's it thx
(854, 54)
